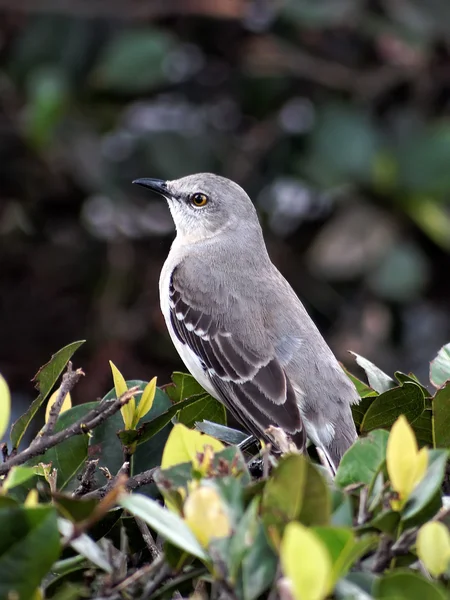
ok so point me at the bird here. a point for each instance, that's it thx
(238, 325)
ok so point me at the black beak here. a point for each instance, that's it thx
(156, 185)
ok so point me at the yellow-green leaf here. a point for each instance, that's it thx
(67, 403)
(306, 562)
(433, 547)
(146, 401)
(206, 515)
(406, 465)
(184, 444)
(120, 386)
(32, 498)
(5, 406)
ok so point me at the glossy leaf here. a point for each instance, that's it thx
(85, 546)
(5, 406)
(441, 417)
(364, 390)
(222, 433)
(378, 380)
(427, 489)
(146, 400)
(128, 410)
(29, 545)
(17, 476)
(184, 444)
(362, 461)
(206, 515)
(150, 428)
(344, 549)
(407, 585)
(183, 386)
(433, 547)
(45, 379)
(406, 465)
(440, 367)
(208, 408)
(105, 443)
(406, 400)
(306, 562)
(295, 491)
(169, 525)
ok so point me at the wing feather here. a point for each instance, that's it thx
(251, 383)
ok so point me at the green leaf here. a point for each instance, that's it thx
(295, 491)
(184, 386)
(85, 546)
(362, 461)
(146, 401)
(362, 388)
(128, 410)
(46, 378)
(423, 428)
(427, 489)
(134, 61)
(407, 585)
(149, 429)
(17, 476)
(441, 417)
(207, 408)
(105, 441)
(378, 380)
(343, 548)
(75, 509)
(407, 400)
(440, 367)
(5, 406)
(359, 410)
(403, 378)
(259, 564)
(301, 546)
(69, 456)
(169, 525)
(29, 545)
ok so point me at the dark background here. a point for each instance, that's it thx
(332, 114)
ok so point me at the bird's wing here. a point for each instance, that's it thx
(250, 382)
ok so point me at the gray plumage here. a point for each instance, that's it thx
(240, 328)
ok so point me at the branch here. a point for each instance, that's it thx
(148, 538)
(69, 380)
(93, 419)
(133, 483)
(87, 478)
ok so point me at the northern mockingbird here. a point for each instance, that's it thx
(238, 325)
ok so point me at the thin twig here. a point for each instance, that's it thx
(148, 538)
(87, 480)
(131, 484)
(152, 586)
(142, 572)
(93, 419)
(68, 382)
(383, 555)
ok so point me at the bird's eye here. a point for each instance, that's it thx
(199, 199)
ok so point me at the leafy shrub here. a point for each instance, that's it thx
(148, 494)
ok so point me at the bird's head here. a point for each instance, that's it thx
(204, 204)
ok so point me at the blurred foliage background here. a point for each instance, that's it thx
(332, 114)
